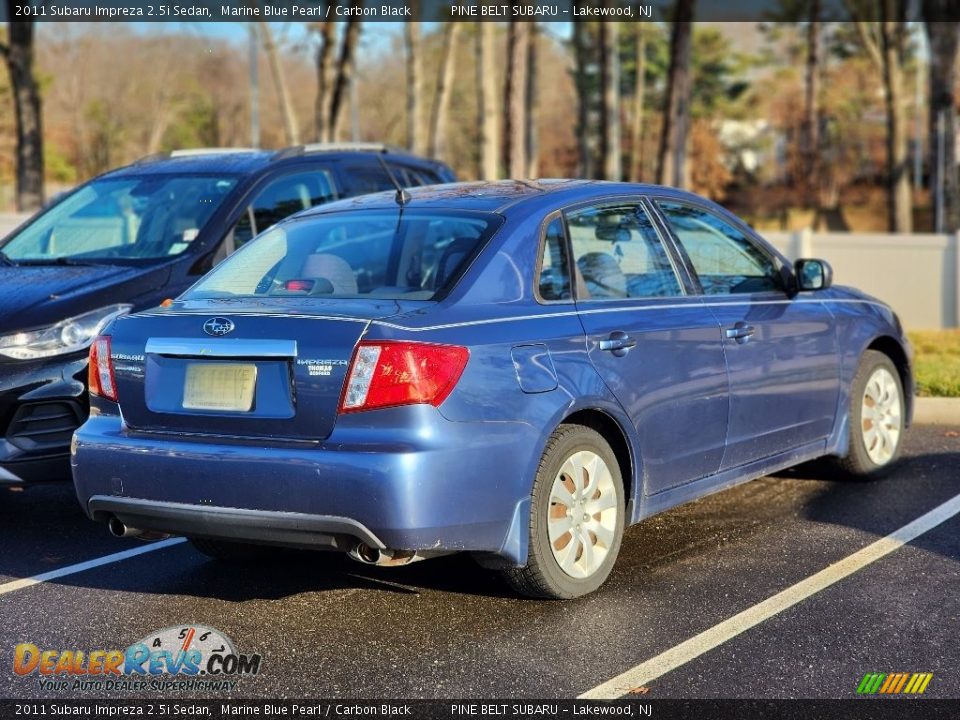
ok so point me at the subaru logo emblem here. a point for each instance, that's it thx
(218, 326)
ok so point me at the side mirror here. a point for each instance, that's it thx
(813, 274)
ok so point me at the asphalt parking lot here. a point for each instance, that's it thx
(328, 627)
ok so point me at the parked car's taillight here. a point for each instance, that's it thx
(101, 379)
(387, 374)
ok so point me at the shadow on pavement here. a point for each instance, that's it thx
(45, 529)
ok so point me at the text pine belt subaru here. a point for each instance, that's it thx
(514, 369)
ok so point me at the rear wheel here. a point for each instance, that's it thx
(234, 552)
(576, 517)
(876, 418)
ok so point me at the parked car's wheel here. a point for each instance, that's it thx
(576, 517)
(876, 418)
(233, 552)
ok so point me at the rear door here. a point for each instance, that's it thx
(655, 346)
(781, 352)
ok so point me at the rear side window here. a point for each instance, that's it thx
(725, 259)
(416, 255)
(618, 254)
(554, 268)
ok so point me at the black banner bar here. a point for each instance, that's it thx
(855, 709)
(552, 11)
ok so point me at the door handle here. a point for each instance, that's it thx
(619, 343)
(741, 332)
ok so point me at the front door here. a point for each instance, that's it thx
(781, 352)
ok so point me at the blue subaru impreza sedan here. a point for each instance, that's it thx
(514, 369)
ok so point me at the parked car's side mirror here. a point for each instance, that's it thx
(813, 274)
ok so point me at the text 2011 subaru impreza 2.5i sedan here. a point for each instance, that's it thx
(515, 369)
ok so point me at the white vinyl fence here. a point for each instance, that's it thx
(917, 274)
(8, 221)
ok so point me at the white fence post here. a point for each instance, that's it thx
(956, 279)
(801, 244)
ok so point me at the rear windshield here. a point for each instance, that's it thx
(416, 254)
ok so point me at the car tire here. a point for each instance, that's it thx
(877, 410)
(233, 552)
(572, 547)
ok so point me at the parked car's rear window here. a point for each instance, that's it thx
(416, 254)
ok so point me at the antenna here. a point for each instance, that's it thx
(403, 196)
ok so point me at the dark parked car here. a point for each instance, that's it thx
(519, 370)
(126, 241)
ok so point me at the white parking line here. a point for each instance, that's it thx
(87, 565)
(696, 646)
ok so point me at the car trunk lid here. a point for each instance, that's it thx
(275, 375)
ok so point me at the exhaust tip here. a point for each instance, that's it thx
(117, 528)
(367, 554)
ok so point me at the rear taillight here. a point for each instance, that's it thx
(101, 379)
(387, 374)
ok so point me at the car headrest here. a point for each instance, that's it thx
(602, 275)
(332, 268)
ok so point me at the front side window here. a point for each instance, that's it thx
(618, 254)
(281, 198)
(724, 258)
(379, 253)
(128, 218)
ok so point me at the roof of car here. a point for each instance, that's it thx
(244, 160)
(489, 196)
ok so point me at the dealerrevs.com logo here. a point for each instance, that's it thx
(192, 657)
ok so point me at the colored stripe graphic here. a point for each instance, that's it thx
(889, 682)
(894, 683)
(865, 683)
(903, 679)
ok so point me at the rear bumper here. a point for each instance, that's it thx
(403, 479)
(281, 528)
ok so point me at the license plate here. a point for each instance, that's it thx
(228, 387)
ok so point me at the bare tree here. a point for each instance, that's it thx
(345, 70)
(488, 102)
(441, 102)
(639, 91)
(581, 60)
(610, 100)
(518, 38)
(531, 130)
(18, 53)
(324, 79)
(290, 125)
(943, 34)
(416, 140)
(811, 117)
(885, 43)
(676, 111)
